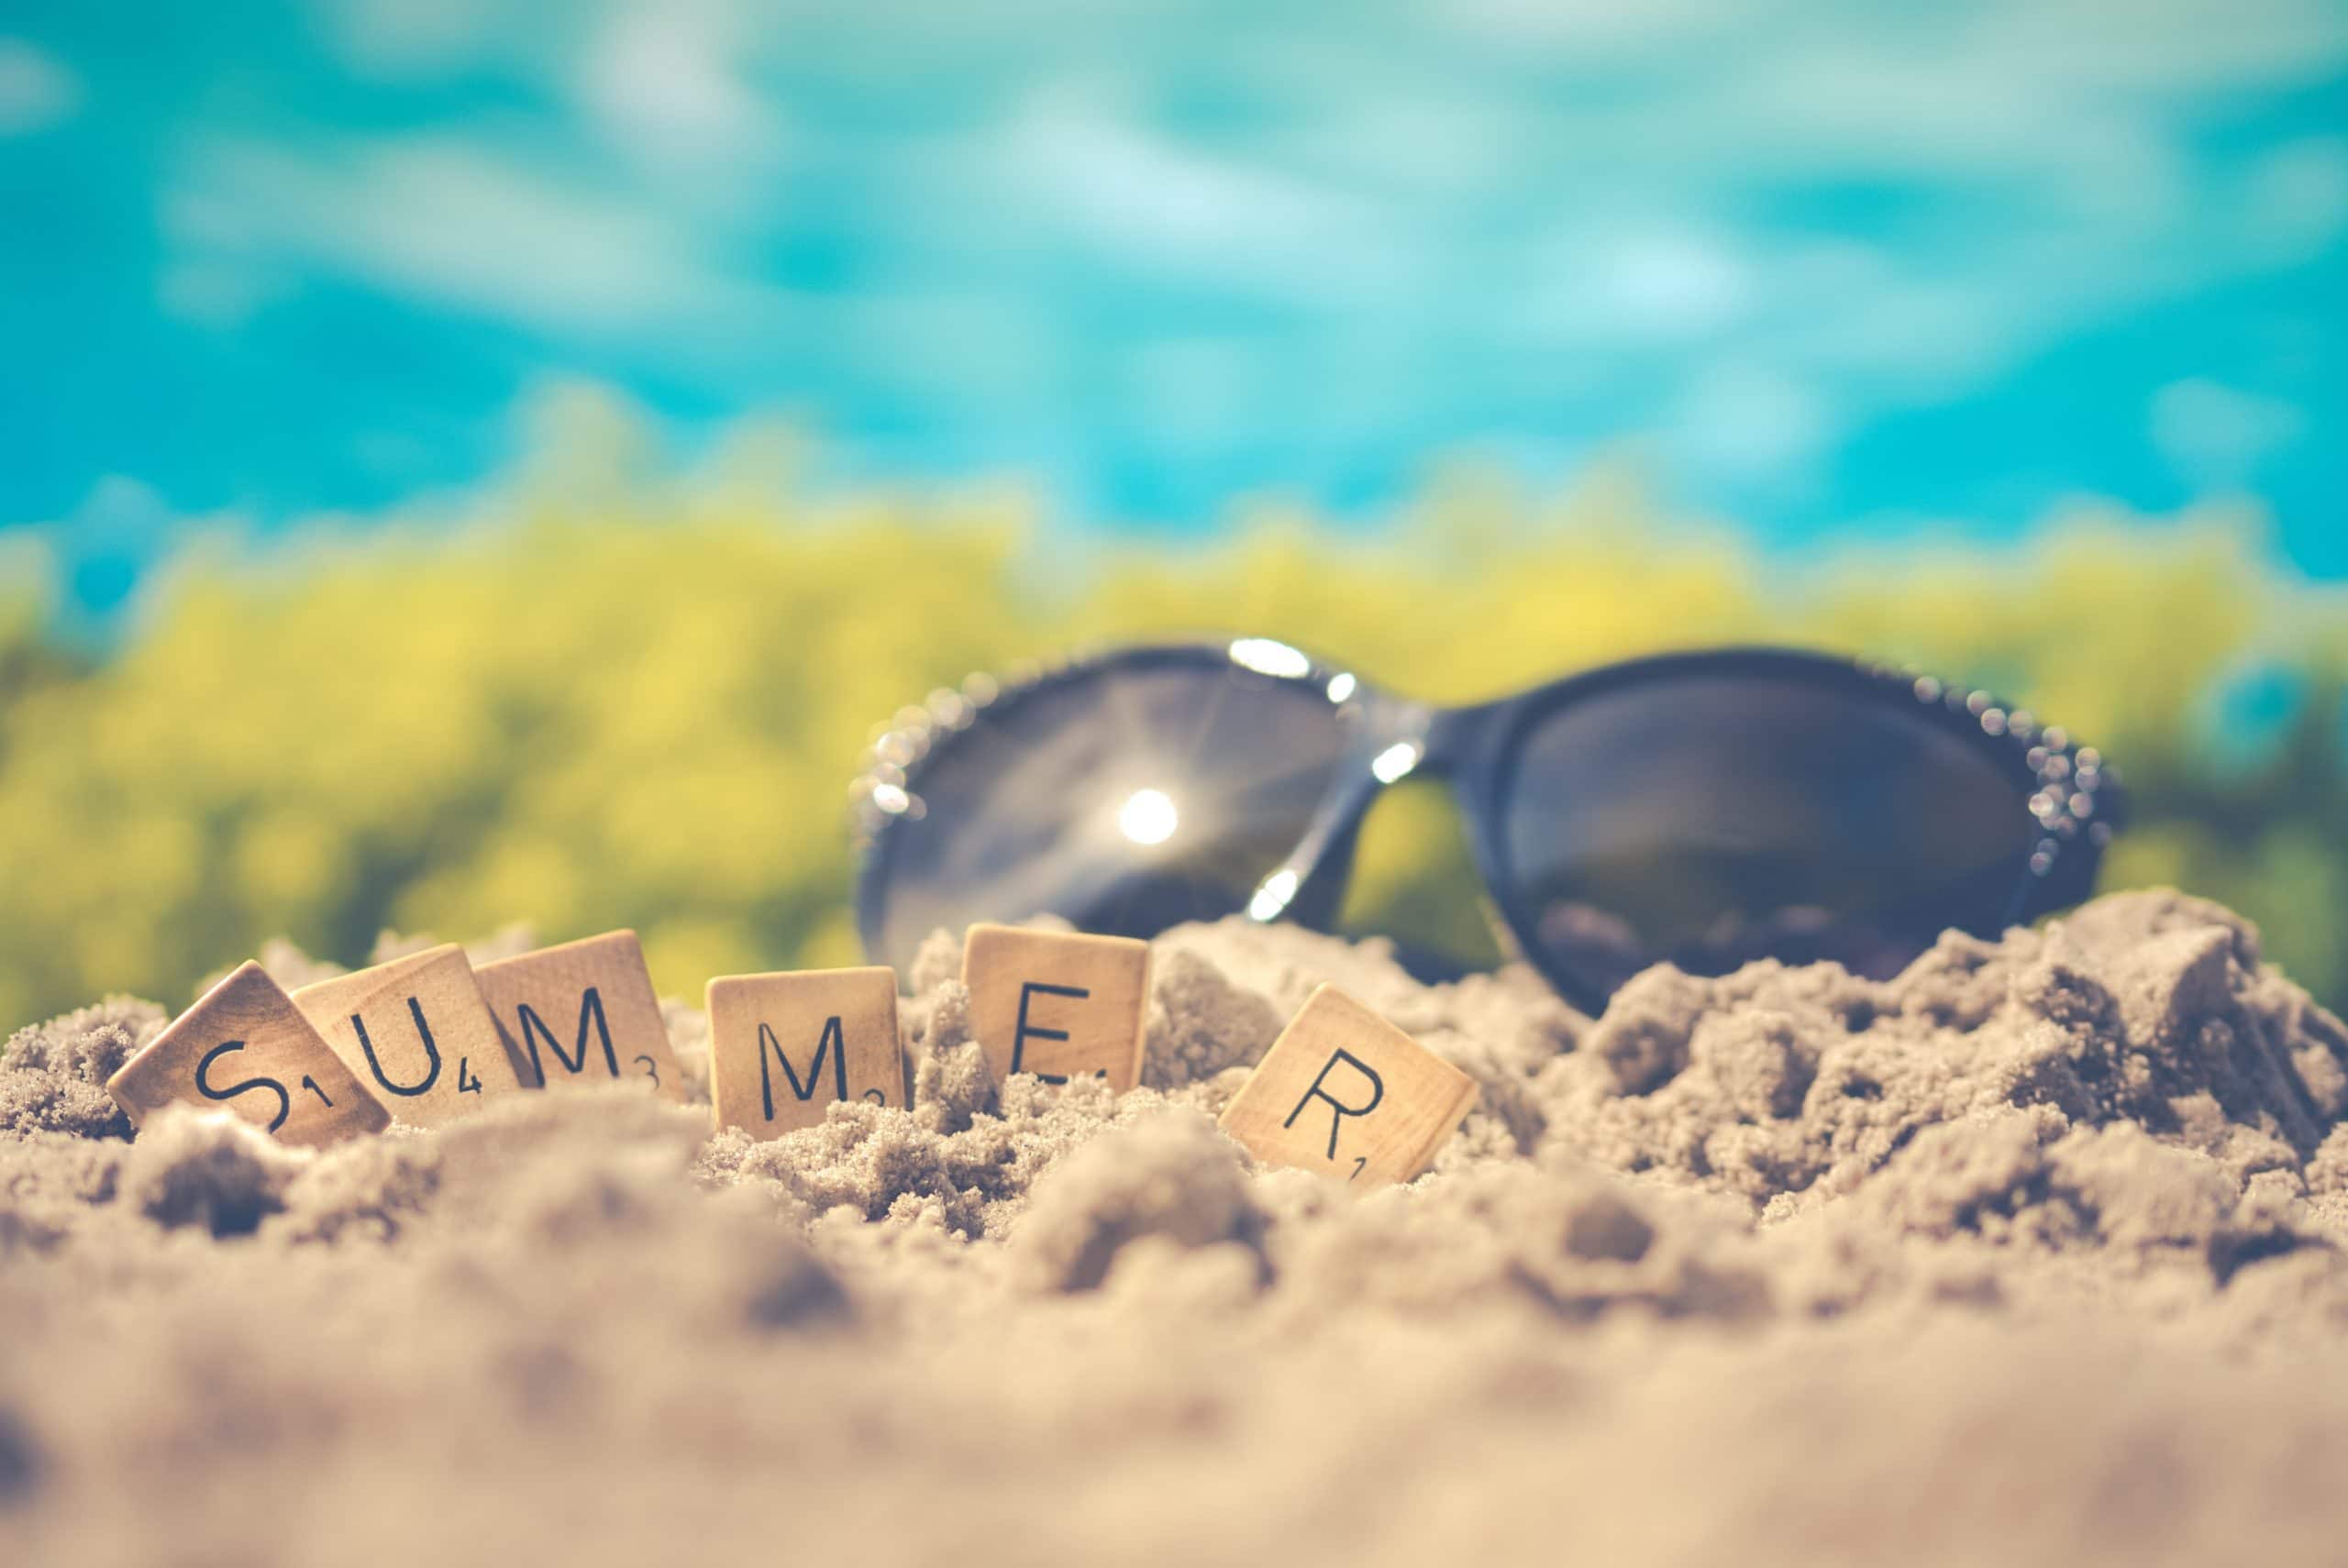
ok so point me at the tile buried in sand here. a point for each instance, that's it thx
(582, 1012)
(1056, 1004)
(782, 1047)
(1344, 1092)
(417, 1032)
(246, 1048)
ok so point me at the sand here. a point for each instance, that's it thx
(2032, 1255)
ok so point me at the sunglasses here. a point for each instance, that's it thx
(1705, 809)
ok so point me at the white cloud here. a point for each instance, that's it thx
(1400, 138)
(1889, 103)
(2068, 108)
(446, 219)
(667, 85)
(37, 90)
(665, 89)
(1075, 159)
(2217, 437)
(1634, 283)
(663, 81)
(2168, 46)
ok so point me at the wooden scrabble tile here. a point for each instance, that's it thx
(582, 1012)
(418, 1034)
(1344, 1091)
(1056, 1004)
(781, 1047)
(245, 1047)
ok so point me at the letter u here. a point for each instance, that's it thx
(431, 1053)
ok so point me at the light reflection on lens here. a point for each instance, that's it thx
(1148, 817)
(1273, 896)
(1268, 657)
(1396, 761)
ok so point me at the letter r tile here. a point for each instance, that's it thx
(418, 1034)
(582, 1012)
(1057, 1004)
(1344, 1092)
(783, 1047)
(244, 1047)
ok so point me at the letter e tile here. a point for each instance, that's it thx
(1057, 1004)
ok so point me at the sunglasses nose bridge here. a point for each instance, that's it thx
(1392, 740)
(1450, 739)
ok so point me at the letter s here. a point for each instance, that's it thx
(203, 1086)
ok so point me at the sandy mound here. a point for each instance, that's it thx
(2030, 1255)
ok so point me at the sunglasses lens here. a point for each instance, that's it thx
(1713, 819)
(1127, 799)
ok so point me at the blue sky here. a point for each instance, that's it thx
(1825, 267)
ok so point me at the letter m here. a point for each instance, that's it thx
(591, 1012)
(832, 1040)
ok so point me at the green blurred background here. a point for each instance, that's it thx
(600, 701)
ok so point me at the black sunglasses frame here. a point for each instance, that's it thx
(2073, 796)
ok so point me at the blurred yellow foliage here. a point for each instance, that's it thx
(643, 709)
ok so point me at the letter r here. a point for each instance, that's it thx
(1339, 1110)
